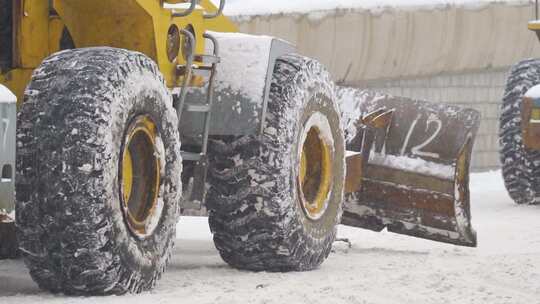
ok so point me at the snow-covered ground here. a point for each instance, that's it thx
(379, 268)
(251, 7)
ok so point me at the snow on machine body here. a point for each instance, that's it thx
(277, 153)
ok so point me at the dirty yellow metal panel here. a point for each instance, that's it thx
(122, 24)
(56, 27)
(139, 25)
(530, 124)
(412, 179)
(162, 20)
(31, 18)
(355, 168)
(219, 24)
(534, 25)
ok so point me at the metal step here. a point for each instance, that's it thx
(207, 69)
(207, 59)
(199, 180)
(190, 156)
(202, 71)
(197, 107)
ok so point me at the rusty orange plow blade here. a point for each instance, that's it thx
(408, 166)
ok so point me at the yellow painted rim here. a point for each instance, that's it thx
(315, 174)
(533, 26)
(140, 175)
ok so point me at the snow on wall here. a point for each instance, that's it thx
(358, 46)
(250, 7)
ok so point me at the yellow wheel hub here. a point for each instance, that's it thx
(140, 175)
(315, 174)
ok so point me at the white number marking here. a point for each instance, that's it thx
(411, 129)
(431, 120)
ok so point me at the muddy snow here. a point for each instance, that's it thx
(378, 268)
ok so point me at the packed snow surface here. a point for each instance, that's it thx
(378, 268)
(251, 7)
(6, 96)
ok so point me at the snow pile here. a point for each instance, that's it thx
(250, 7)
(6, 96)
(410, 164)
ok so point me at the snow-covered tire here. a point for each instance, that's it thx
(255, 208)
(520, 167)
(8, 241)
(71, 218)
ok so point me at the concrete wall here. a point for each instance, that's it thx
(454, 55)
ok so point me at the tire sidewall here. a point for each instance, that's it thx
(149, 255)
(70, 131)
(317, 96)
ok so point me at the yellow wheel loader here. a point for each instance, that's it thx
(130, 111)
(519, 128)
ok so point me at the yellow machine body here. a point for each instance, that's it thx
(138, 25)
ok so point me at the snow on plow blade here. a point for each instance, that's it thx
(408, 166)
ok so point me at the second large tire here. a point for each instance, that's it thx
(520, 167)
(98, 173)
(275, 199)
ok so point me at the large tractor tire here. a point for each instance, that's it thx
(520, 167)
(275, 199)
(99, 168)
